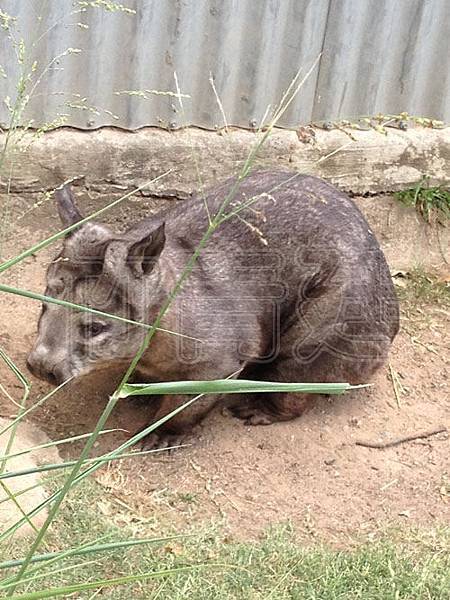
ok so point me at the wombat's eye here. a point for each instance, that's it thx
(93, 328)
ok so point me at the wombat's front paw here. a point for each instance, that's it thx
(160, 441)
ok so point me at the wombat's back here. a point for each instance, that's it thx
(293, 228)
(284, 202)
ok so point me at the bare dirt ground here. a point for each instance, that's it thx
(308, 471)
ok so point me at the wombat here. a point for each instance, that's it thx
(291, 287)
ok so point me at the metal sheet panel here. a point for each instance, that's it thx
(378, 56)
(385, 56)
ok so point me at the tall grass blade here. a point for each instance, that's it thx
(91, 585)
(231, 386)
(91, 549)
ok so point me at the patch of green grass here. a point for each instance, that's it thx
(432, 202)
(403, 565)
(187, 497)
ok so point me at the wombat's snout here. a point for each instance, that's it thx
(41, 365)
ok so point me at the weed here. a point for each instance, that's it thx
(431, 202)
(187, 497)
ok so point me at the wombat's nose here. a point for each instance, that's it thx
(39, 367)
(33, 364)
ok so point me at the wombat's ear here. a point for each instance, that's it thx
(67, 209)
(143, 254)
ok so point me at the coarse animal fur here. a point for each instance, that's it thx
(294, 287)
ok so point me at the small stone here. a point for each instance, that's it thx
(329, 461)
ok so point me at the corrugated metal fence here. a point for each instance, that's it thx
(377, 56)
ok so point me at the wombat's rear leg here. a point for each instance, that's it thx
(328, 367)
(265, 409)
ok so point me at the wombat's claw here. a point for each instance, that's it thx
(160, 441)
(251, 415)
(259, 418)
